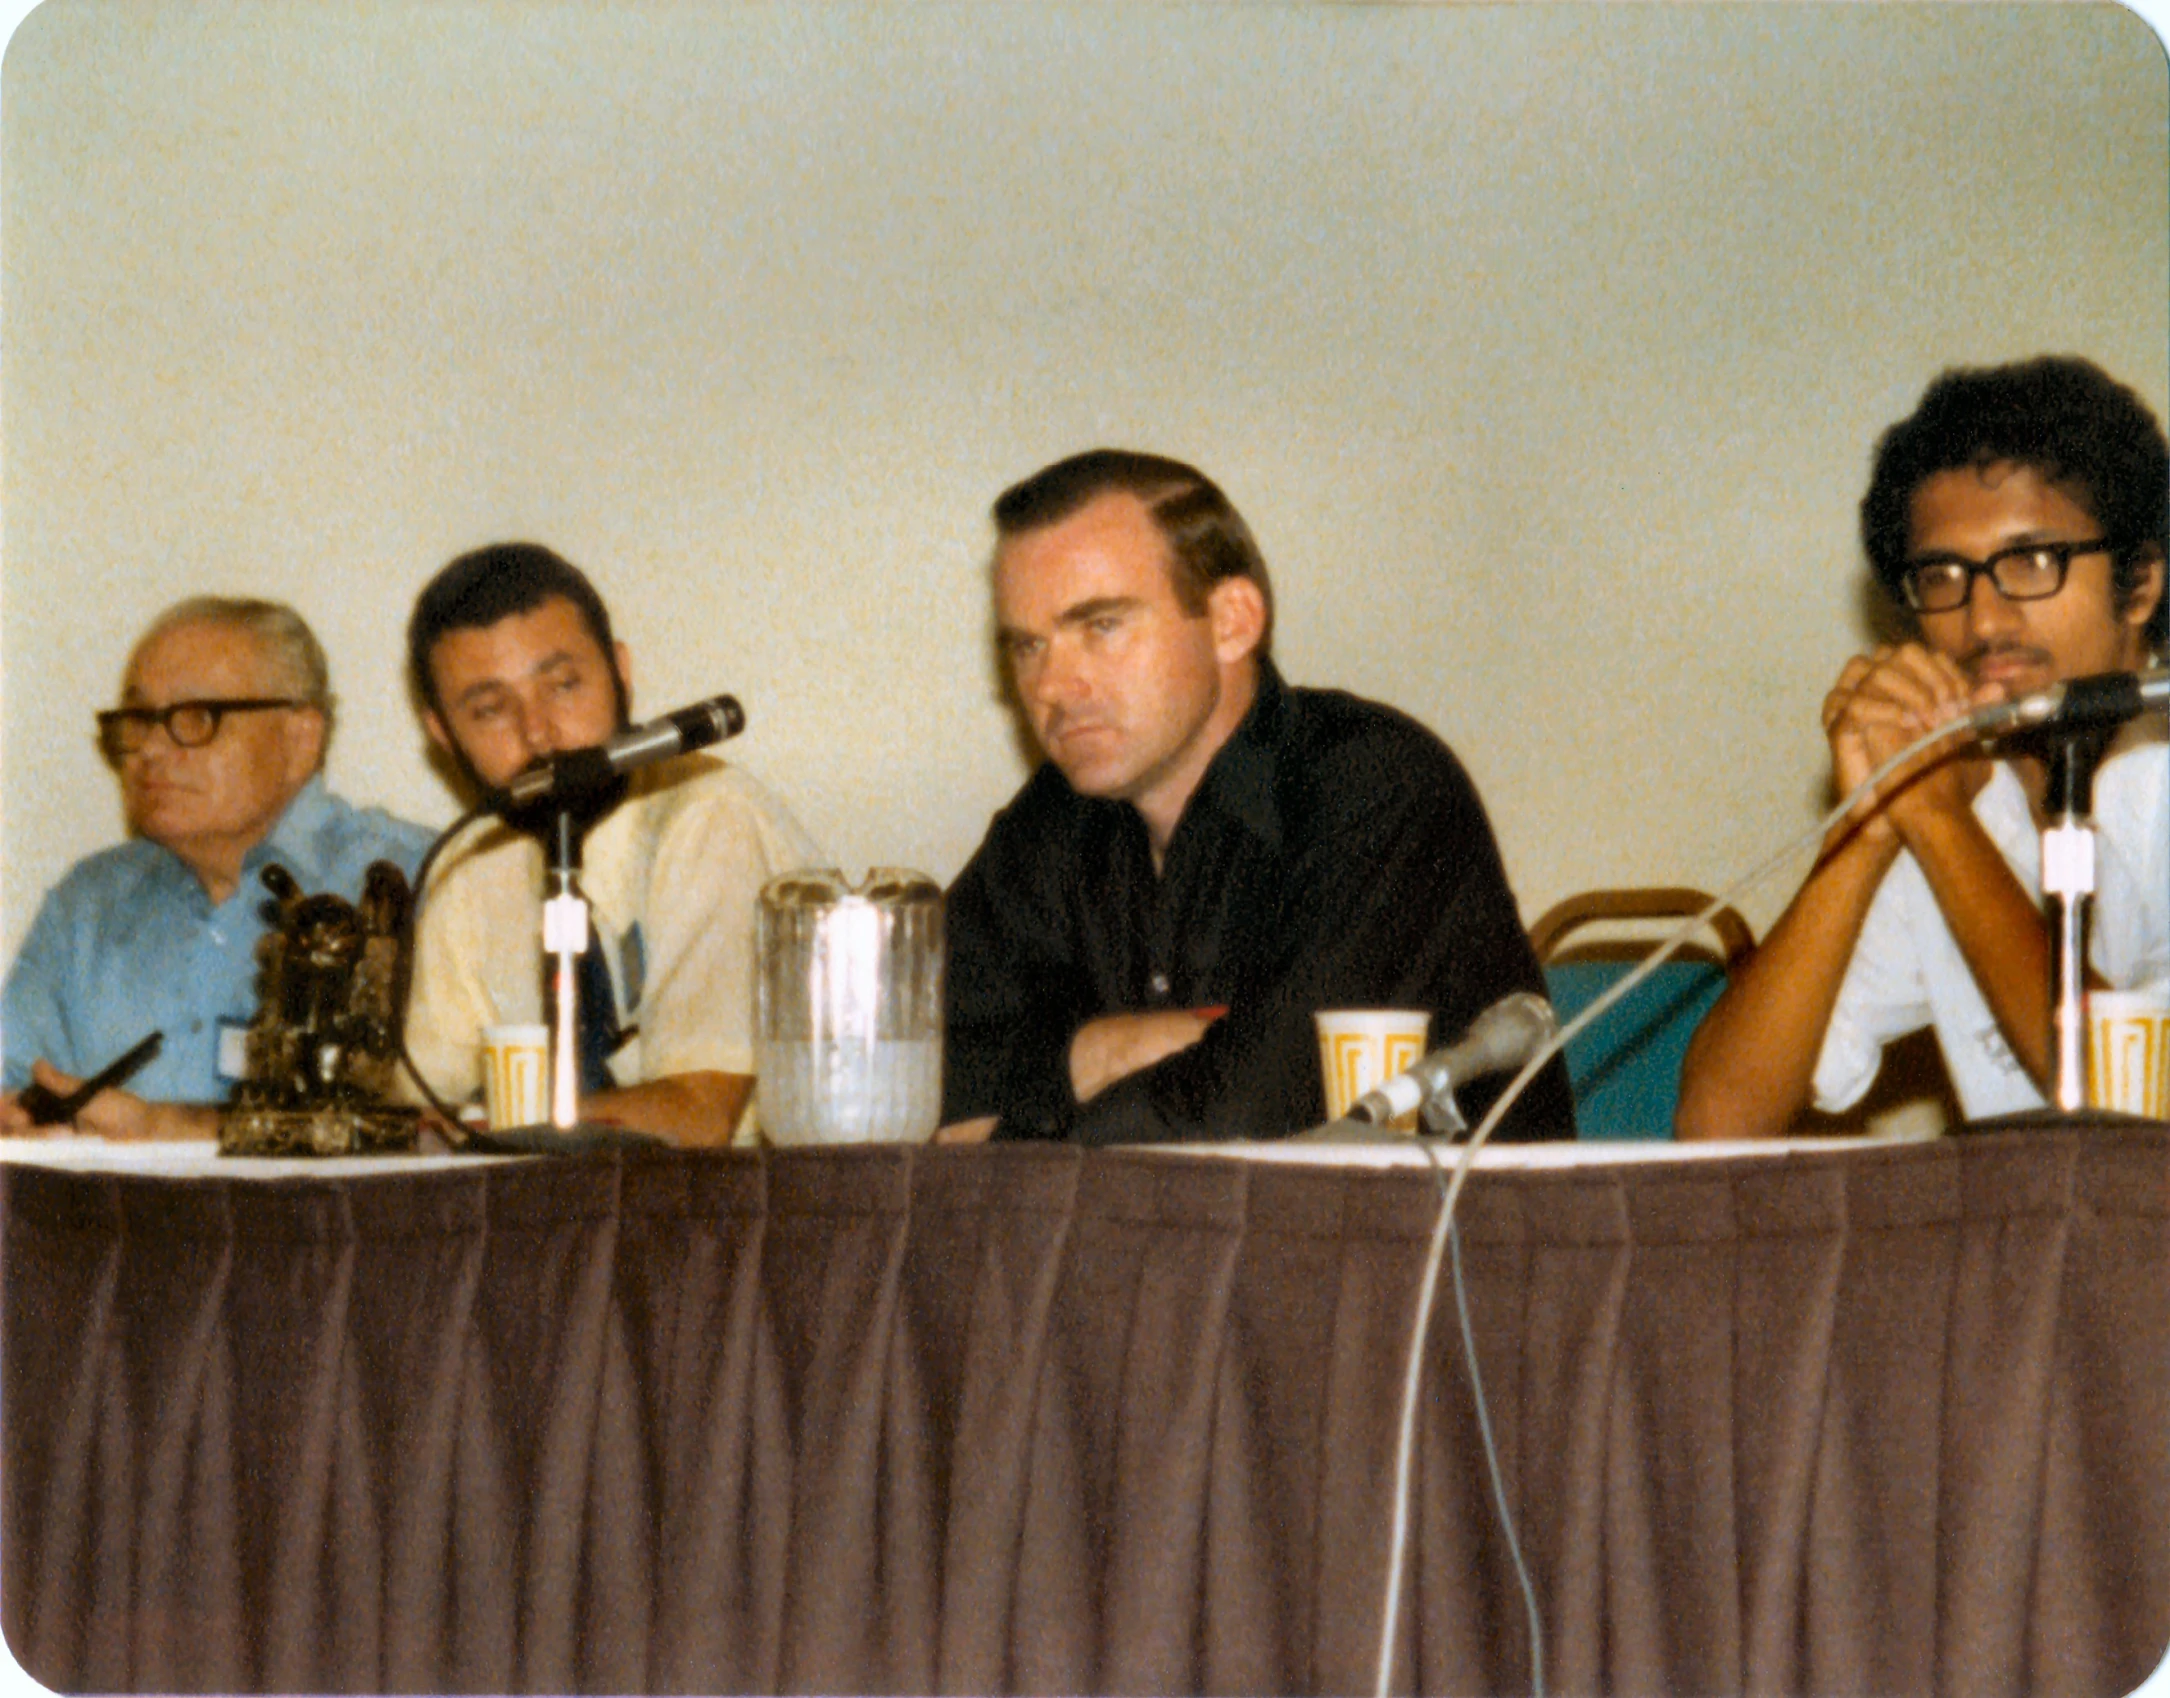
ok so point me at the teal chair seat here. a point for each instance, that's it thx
(1625, 1068)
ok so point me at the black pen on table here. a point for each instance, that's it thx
(50, 1108)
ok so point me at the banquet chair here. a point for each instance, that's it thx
(1625, 1067)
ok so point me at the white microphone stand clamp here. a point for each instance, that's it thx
(565, 940)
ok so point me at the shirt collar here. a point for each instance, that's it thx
(1240, 782)
(292, 842)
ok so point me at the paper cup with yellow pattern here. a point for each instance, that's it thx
(516, 1075)
(1361, 1047)
(2128, 1052)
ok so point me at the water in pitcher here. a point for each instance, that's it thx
(848, 1007)
(851, 1093)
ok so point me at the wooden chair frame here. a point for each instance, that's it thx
(1658, 902)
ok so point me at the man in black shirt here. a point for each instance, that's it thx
(1208, 856)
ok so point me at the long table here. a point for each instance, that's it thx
(1824, 1418)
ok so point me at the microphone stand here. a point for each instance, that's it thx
(581, 787)
(565, 940)
(2070, 728)
(1439, 1118)
(2068, 888)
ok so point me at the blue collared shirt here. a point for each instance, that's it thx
(129, 943)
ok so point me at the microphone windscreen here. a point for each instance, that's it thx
(1507, 1034)
(708, 722)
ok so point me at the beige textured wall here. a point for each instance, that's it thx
(1543, 347)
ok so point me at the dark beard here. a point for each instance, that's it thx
(538, 819)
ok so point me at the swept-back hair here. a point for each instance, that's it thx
(1207, 538)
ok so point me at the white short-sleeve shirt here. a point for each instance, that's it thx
(1907, 971)
(673, 876)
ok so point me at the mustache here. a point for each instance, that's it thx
(1970, 660)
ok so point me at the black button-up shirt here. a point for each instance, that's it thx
(1335, 855)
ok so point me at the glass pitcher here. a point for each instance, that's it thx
(848, 1007)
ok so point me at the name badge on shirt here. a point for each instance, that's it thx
(233, 1062)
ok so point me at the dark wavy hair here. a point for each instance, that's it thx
(1207, 538)
(496, 582)
(2081, 429)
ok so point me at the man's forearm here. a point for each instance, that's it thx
(1115, 1046)
(691, 1109)
(1750, 1066)
(126, 1118)
(1999, 930)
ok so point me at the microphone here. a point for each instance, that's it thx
(585, 772)
(1504, 1036)
(2078, 704)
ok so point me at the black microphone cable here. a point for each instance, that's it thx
(461, 1133)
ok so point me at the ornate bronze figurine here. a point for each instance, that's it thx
(326, 1037)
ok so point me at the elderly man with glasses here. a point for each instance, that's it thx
(2022, 517)
(219, 746)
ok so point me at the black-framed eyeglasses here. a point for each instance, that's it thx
(2027, 571)
(122, 731)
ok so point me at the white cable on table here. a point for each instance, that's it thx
(1397, 1550)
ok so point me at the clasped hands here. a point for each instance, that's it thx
(1881, 703)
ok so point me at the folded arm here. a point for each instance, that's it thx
(1409, 908)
